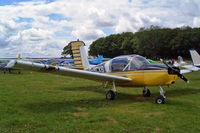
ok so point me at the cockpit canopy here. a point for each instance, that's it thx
(122, 64)
(128, 63)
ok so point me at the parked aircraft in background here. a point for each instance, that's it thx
(70, 62)
(195, 66)
(4, 68)
(127, 70)
(2, 65)
(98, 60)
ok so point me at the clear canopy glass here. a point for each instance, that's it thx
(128, 63)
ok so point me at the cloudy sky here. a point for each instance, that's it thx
(41, 28)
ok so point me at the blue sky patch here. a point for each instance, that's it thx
(10, 2)
(20, 19)
(108, 31)
(61, 34)
(49, 1)
(28, 26)
(58, 17)
(67, 28)
(66, 32)
(13, 2)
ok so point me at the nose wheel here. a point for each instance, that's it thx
(160, 100)
(162, 97)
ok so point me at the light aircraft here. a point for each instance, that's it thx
(4, 68)
(127, 70)
(195, 66)
(70, 62)
(98, 60)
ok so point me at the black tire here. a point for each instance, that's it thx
(160, 100)
(146, 93)
(110, 95)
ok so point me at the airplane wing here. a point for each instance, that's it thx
(66, 71)
(189, 68)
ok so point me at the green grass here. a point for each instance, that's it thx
(40, 102)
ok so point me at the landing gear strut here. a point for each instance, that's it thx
(110, 95)
(146, 92)
(161, 98)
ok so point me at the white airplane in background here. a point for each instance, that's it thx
(127, 70)
(195, 66)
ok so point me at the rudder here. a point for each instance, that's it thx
(195, 57)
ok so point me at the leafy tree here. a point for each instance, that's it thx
(67, 50)
(151, 42)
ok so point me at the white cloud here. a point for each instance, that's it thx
(196, 21)
(86, 21)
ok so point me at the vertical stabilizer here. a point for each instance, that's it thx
(19, 57)
(84, 58)
(80, 55)
(195, 57)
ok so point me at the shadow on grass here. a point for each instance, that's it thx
(122, 98)
(95, 88)
(169, 93)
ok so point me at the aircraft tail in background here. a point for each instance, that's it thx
(84, 58)
(80, 55)
(180, 61)
(19, 57)
(195, 58)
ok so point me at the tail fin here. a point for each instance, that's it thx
(195, 57)
(80, 55)
(84, 58)
(180, 59)
(19, 57)
(54, 63)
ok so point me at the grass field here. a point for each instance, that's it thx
(50, 103)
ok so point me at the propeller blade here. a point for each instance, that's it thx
(183, 77)
(177, 72)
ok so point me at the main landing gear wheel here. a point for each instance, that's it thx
(160, 100)
(110, 95)
(146, 93)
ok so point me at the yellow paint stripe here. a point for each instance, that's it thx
(78, 65)
(76, 44)
(77, 62)
(143, 71)
(75, 59)
(142, 74)
(76, 51)
(75, 47)
(77, 55)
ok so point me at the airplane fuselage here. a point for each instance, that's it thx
(147, 78)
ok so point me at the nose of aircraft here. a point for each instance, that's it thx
(175, 70)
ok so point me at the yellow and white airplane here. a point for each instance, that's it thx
(128, 70)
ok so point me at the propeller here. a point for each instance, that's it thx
(175, 70)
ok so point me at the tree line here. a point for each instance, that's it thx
(153, 42)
